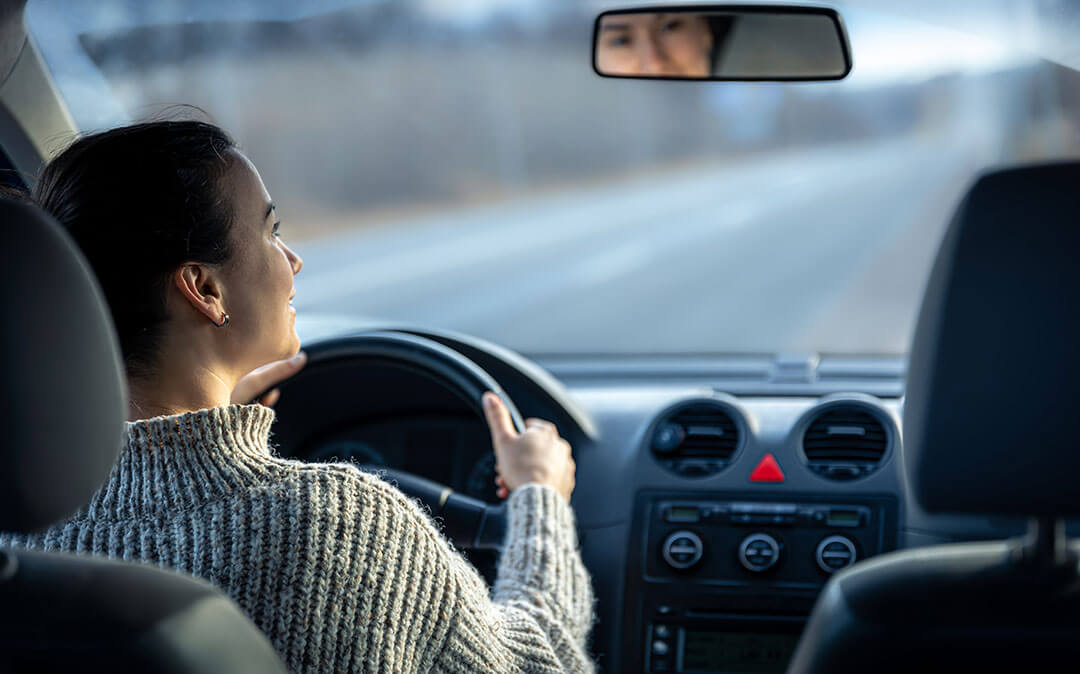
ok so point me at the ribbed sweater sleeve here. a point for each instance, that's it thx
(418, 605)
(541, 610)
(399, 598)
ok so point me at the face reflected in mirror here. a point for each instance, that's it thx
(655, 45)
(753, 43)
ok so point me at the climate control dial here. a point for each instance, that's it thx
(682, 549)
(759, 552)
(835, 553)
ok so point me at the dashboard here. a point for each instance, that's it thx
(730, 536)
(714, 498)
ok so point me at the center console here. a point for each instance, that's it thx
(723, 582)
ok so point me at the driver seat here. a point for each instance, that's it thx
(990, 429)
(62, 410)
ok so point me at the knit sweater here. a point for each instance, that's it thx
(341, 570)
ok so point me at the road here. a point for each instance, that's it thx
(814, 250)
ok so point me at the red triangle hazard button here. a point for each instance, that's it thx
(768, 470)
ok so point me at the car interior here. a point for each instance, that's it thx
(754, 511)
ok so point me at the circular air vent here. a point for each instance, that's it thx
(845, 442)
(696, 440)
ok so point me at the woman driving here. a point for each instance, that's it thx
(341, 570)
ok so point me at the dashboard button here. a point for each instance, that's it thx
(835, 553)
(661, 631)
(682, 549)
(759, 552)
(767, 470)
(660, 647)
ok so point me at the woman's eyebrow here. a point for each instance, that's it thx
(269, 210)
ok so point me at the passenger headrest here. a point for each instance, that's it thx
(62, 389)
(991, 422)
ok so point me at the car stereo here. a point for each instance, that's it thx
(721, 646)
(725, 582)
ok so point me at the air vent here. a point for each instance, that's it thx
(844, 442)
(696, 440)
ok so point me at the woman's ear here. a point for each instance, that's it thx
(199, 285)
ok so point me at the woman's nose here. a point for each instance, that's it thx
(652, 58)
(294, 259)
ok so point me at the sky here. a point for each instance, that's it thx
(889, 48)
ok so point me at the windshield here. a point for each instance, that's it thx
(459, 165)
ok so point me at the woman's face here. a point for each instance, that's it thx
(664, 45)
(258, 279)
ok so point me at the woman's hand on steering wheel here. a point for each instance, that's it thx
(536, 455)
(262, 378)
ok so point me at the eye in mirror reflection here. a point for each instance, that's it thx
(667, 45)
(753, 44)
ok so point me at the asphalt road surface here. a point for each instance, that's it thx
(821, 250)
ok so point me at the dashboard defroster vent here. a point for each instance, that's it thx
(696, 440)
(844, 442)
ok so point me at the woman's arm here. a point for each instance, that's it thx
(374, 586)
(541, 611)
(415, 604)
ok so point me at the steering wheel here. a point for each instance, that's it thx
(468, 522)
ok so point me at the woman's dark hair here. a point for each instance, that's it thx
(140, 201)
(720, 25)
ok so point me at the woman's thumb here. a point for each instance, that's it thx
(498, 417)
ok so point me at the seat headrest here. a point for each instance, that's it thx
(62, 388)
(990, 415)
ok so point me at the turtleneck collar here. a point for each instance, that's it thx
(174, 462)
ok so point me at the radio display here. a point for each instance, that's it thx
(683, 514)
(843, 518)
(737, 651)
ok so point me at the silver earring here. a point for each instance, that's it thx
(223, 323)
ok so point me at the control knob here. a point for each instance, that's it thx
(759, 552)
(668, 437)
(835, 553)
(682, 549)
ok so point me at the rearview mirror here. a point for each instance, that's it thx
(718, 42)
